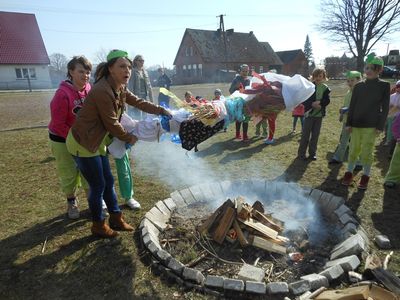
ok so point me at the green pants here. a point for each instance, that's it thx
(362, 143)
(124, 174)
(67, 170)
(393, 174)
(262, 123)
(389, 134)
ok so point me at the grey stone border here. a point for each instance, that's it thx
(345, 256)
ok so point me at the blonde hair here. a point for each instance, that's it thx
(319, 71)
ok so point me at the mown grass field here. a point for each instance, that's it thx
(74, 265)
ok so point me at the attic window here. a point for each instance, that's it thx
(191, 51)
(187, 51)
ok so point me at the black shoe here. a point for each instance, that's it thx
(313, 157)
(358, 168)
(334, 162)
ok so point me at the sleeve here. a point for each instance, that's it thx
(109, 117)
(308, 103)
(59, 109)
(326, 98)
(384, 107)
(168, 80)
(142, 104)
(396, 127)
(350, 113)
(233, 86)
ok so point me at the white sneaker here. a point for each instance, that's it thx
(73, 210)
(104, 209)
(133, 204)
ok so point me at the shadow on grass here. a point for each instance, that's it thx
(382, 154)
(294, 171)
(74, 265)
(222, 146)
(242, 154)
(386, 222)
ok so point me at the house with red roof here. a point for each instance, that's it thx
(24, 63)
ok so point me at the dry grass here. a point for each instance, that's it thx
(76, 265)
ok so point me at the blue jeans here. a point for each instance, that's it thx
(97, 172)
(295, 118)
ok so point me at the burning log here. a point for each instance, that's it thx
(247, 224)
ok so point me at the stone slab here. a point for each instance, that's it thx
(153, 248)
(343, 209)
(382, 241)
(256, 287)
(258, 186)
(163, 256)
(197, 193)
(193, 275)
(346, 218)
(176, 266)
(323, 202)
(226, 187)
(187, 196)
(274, 288)
(316, 194)
(214, 281)
(234, 284)
(299, 287)
(159, 215)
(216, 189)
(333, 273)
(176, 196)
(353, 245)
(170, 204)
(149, 227)
(163, 209)
(251, 273)
(348, 263)
(333, 204)
(316, 281)
(349, 228)
(159, 223)
(148, 238)
(206, 190)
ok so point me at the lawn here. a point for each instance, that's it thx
(75, 265)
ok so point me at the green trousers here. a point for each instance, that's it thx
(124, 174)
(362, 143)
(393, 174)
(70, 177)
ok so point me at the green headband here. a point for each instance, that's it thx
(353, 74)
(116, 54)
(372, 59)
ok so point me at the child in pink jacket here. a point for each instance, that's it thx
(64, 107)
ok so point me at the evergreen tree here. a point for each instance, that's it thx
(308, 51)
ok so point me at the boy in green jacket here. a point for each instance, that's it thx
(366, 118)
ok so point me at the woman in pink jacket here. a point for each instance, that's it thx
(66, 103)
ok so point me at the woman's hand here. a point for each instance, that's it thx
(133, 140)
(316, 104)
(165, 112)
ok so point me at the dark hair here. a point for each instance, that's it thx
(87, 65)
(102, 69)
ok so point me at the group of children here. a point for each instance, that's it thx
(364, 115)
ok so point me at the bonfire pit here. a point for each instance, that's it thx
(253, 237)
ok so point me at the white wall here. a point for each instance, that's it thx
(9, 81)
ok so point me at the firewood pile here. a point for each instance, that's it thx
(249, 225)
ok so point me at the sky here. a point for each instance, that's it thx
(155, 28)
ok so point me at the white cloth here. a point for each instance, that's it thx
(148, 130)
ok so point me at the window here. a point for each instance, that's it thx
(194, 70)
(187, 51)
(23, 73)
(261, 69)
(189, 73)
(191, 51)
(200, 68)
(184, 70)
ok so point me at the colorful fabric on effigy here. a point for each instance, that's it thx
(193, 132)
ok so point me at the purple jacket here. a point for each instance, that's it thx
(396, 127)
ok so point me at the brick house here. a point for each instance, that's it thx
(206, 56)
(24, 62)
(294, 62)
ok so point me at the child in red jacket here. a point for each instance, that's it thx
(298, 113)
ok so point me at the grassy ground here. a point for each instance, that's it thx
(76, 265)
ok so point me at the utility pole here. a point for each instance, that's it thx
(222, 30)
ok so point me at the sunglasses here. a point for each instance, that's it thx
(141, 60)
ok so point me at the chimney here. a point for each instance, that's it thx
(251, 33)
(219, 31)
(229, 31)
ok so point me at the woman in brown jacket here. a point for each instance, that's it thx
(97, 121)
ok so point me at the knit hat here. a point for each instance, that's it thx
(398, 83)
(218, 91)
(353, 74)
(372, 59)
(116, 54)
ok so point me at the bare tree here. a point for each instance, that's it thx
(101, 55)
(58, 62)
(360, 24)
